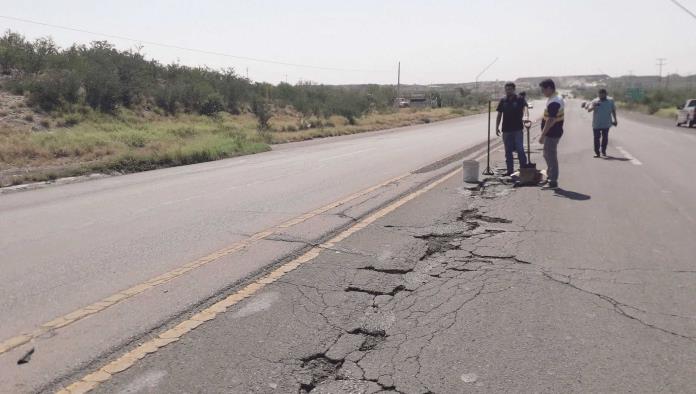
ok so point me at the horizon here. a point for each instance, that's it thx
(515, 79)
(362, 43)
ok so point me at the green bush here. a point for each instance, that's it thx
(262, 111)
(105, 79)
(71, 120)
(52, 89)
(213, 104)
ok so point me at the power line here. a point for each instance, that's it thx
(683, 7)
(252, 59)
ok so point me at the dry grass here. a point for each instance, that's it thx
(137, 141)
(667, 113)
(339, 125)
(128, 142)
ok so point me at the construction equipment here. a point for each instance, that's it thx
(529, 175)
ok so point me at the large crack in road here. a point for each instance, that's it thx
(403, 316)
(374, 316)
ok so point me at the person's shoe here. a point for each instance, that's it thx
(553, 185)
(604, 154)
(596, 155)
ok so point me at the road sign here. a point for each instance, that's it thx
(635, 94)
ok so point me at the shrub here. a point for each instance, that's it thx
(212, 104)
(72, 120)
(105, 78)
(133, 139)
(262, 111)
(51, 89)
(183, 132)
(29, 117)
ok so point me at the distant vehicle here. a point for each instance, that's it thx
(687, 114)
(403, 103)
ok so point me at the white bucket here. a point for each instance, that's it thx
(470, 169)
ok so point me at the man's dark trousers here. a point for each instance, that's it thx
(514, 142)
(604, 133)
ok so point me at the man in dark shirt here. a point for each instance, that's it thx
(511, 110)
(551, 129)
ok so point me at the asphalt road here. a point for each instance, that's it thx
(67, 247)
(589, 288)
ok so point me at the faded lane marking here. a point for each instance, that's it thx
(630, 157)
(145, 383)
(259, 304)
(127, 360)
(131, 292)
(335, 157)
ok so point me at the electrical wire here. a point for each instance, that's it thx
(683, 7)
(171, 46)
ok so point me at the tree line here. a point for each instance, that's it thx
(105, 78)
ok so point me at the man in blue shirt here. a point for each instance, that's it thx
(604, 109)
(551, 129)
(511, 110)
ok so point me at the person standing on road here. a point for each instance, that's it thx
(603, 117)
(551, 129)
(511, 110)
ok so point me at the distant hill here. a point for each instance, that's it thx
(567, 81)
(673, 81)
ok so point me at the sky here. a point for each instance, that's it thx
(362, 41)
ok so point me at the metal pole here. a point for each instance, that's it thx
(661, 62)
(398, 81)
(476, 84)
(488, 156)
(529, 147)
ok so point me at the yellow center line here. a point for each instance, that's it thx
(128, 359)
(96, 307)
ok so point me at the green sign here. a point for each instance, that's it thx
(635, 94)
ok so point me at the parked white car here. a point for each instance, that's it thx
(687, 114)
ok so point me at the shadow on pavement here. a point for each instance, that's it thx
(616, 158)
(571, 195)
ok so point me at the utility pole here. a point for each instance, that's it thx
(247, 73)
(661, 62)
(398, 81)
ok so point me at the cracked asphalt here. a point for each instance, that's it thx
(590, 288)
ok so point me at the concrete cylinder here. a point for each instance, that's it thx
(470, 169)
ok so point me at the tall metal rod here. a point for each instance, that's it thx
(529, 146)
(476, 84)
(488, 158)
